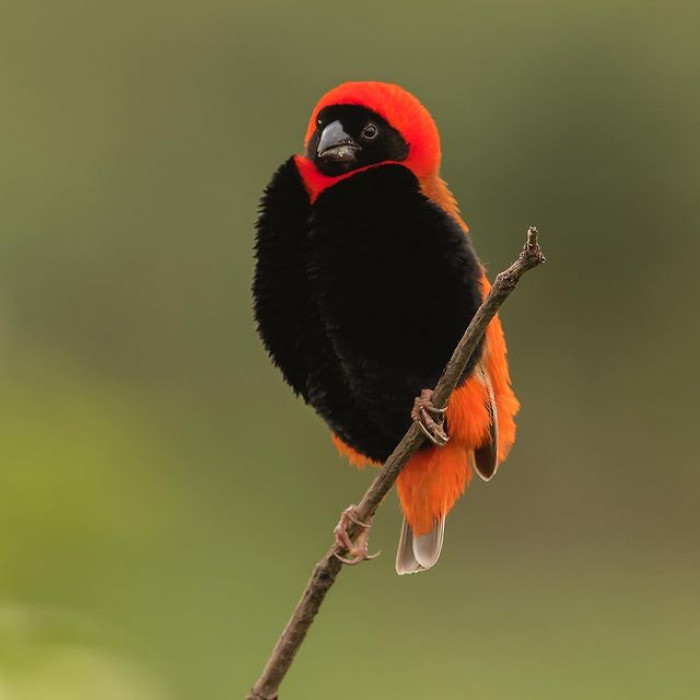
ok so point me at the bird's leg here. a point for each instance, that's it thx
(358, 550)
(421, 414)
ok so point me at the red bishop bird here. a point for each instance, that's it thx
(365, 281)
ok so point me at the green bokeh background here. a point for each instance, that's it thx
(163, 496)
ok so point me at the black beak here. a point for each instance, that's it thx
(335, 146)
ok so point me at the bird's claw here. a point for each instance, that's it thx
(362, 556)
(358, 550)
(421, 414)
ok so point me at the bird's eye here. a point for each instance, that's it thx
(319, 122)
(369, 132)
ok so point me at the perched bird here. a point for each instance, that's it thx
(365, 282)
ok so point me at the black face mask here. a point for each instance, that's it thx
(349, 137)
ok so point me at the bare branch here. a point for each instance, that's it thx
(326, 571)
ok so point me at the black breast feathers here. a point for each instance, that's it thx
(361, 297)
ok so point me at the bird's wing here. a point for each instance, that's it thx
(281, 291)
(484, 459)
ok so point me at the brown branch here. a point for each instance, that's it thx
(327, 569)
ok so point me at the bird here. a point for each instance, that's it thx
(365, 280)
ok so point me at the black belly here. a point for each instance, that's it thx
(361, 297)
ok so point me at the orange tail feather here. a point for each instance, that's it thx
(430, 484)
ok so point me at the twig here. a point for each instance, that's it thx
(327, 569)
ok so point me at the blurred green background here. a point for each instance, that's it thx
(163, 497)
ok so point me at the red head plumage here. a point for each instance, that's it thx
(401, 109)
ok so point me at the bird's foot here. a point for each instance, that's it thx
(357, 550)
(423, 412)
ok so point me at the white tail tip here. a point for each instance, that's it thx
(419, 553)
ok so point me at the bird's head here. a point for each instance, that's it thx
(358, 125)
